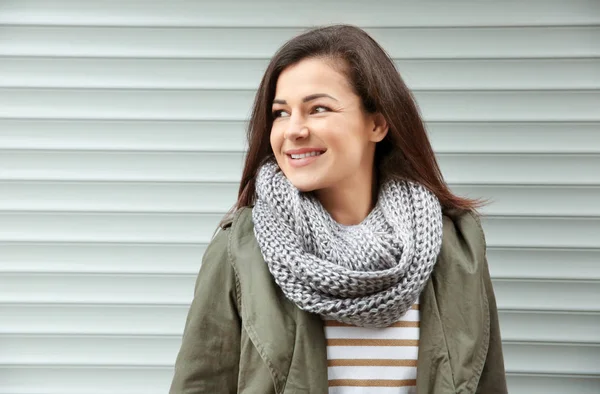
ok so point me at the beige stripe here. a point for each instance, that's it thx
(371, 363)
(335, 323)
(372, 342)
(415, 307)
(371, 383)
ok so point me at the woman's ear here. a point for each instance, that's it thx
(380, 128)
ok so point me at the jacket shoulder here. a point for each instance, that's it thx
(463, 243)
(241, 221)
(216, 263)
(244, 252)
(242, 241)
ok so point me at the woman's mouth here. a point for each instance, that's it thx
(302, 158)
(304, 155)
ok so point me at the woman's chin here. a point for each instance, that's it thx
(305, 185)
(305, 188)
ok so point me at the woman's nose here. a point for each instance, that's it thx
(296, 130)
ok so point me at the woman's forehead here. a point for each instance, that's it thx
(311, 76)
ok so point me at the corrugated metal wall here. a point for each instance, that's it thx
(121, 141)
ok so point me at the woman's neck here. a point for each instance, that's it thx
(351, 202)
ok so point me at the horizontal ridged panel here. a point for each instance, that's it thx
(259, 14)
(520, 169)
(155, 380)
(219, 197)
(549, 263)
(84, 380)
(184, 259)
(185, 228)
(260, 43)
(90, 227)
(550, 326)
(547, 295)
(548, 384)
(121, 166)
(566, 169)
(90, 319)
(503, 137)
(535, 200)
(89, 350)
(178, 290)
(235, 104)
(509, 137)
(118, 197)
(128, 135)
(159, 351)
(97, 289)
(152, 352)
(541, 232)
(101, 257)
(99, 319)
(518, 74)
(552, 359)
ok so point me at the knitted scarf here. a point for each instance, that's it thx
(366, 275)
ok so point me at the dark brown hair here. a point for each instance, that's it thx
(405, 152)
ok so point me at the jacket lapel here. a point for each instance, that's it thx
(290, 341)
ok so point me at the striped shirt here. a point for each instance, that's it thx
(373, 360)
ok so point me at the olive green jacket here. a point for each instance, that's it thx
(243, 336)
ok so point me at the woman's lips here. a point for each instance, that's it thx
(303, 157)
(303, 151)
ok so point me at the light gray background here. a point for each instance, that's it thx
(121, 142)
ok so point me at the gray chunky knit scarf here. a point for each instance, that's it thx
(366, 275)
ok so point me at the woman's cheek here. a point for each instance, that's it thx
(276, 140)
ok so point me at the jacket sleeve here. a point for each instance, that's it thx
(493, 377)
(209, 355)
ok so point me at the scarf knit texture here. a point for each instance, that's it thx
(366, 275)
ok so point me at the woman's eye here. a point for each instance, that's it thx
(279, 113)
(320, 109)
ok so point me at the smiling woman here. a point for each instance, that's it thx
(347, 264)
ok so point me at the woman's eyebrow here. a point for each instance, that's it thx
(307, 98)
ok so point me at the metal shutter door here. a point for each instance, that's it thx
(121, 142)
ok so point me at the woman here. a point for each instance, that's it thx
(348, 265)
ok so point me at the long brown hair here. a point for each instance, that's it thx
(405, 152)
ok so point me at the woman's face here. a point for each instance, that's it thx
(322, 137)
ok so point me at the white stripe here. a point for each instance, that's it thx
(410, 315)
(369, 333)
(377, 352)
(373, 390)
(372, 373)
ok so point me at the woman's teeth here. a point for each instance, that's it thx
(303, 155)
